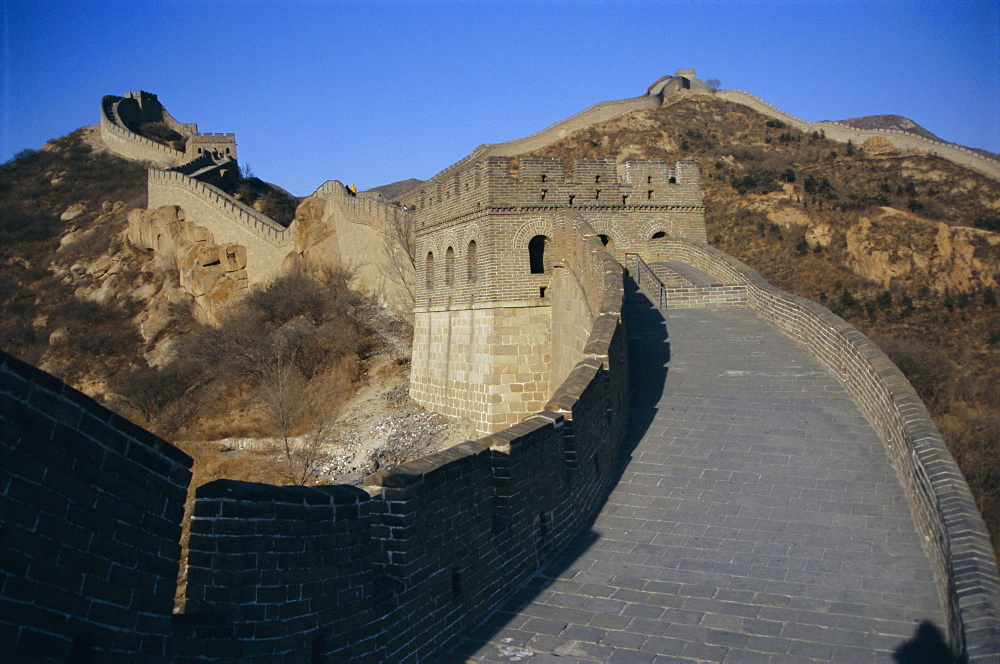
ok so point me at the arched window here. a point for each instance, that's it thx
(658, 234)
(471, 263)
(609, 244)
(449, 267)
(429, 270)
(536, 254)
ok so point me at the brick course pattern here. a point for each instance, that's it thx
(955, 536)
(90, 507)
(495, 332)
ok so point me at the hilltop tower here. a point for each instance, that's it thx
(493, 241)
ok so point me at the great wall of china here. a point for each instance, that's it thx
(519, 292)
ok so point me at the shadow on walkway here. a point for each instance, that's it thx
(649, 355)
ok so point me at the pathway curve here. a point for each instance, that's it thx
(757, 518)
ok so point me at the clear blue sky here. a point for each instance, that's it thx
(380, 91)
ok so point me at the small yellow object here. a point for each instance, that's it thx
(353, 188)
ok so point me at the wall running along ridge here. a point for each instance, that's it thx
(366, 235)
(229, 221)
(145, 106)
(945, 513)
(131, 145)
(396, 571)
(903, 140)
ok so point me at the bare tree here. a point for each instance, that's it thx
(400, 246)
(713, 84)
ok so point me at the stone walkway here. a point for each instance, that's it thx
(756, 519)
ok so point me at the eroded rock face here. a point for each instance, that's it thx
(896, 244)
(215, 275)
(315, 242)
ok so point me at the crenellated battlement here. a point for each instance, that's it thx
(120, 114)
(551, 183)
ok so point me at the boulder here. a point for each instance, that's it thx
(226, 290)
(233, 257)
(72, 212)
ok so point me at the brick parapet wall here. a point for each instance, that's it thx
(439, 543)
(284, 567)
(91, 508)
(944, 511)
(362, 210)
(117, 136)
(700, 297)
(396, 572)
(130, 145)
(545, 183)
(839, 131)
(229, 221)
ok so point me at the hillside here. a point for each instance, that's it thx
(895, 243)
(900, 123)
(897, 122)
(393, 190)
(82, 303)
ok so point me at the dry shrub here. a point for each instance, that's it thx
(275, 366)
(931, 373)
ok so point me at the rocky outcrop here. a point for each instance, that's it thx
(214, 274)
(316, 243)
(898, 245)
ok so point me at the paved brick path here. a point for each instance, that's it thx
(756, 519)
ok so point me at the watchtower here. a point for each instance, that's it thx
(489, 242)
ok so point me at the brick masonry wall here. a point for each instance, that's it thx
(955, 536)
(90, 507)
(229, 221)
(427, 551)
(486, 364)
(842, 132)
(131, 145)
(492, 340)
(282, 569)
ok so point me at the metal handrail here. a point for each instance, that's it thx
(641, 269)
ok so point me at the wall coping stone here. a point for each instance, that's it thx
(413, 472)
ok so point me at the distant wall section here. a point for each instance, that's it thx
(229, 221)
(121, 115)
(370, 238)
(842, 132)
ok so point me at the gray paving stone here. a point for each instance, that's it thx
(757, 520)
(625, 640)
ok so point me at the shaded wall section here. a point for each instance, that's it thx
(91, 507)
